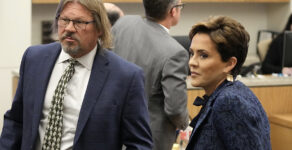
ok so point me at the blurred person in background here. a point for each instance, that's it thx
(113, 12)
(274, 57)
(147, 43)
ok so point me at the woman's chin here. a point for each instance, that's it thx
(195, 83)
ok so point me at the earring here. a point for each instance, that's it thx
(230, 77)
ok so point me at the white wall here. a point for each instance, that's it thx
(278, 16)
(254, 16)
(40, 13)
(15, 29)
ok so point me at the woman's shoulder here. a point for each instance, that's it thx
(234, 89)
(234, 95)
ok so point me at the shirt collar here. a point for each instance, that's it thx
(86, 60)
(167, 30)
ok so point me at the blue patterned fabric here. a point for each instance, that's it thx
(232, 119)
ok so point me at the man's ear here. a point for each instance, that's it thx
(99, 33)
(172, 11)
(230, 64)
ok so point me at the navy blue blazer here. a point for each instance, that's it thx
(232, 119)
(114, 110)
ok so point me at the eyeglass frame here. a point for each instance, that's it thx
(181, 6)
(67, 22)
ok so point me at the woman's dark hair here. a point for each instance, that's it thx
(229, 36)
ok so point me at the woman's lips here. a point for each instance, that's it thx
(194, 74)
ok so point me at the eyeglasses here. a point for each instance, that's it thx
(78, 24)
(180, 6)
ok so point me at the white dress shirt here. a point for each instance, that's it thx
(73, 99)
(166, 29)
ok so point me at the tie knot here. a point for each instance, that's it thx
(72, 61)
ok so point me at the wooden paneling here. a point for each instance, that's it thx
(45, 1)
(275, 99)
(188, 1)
(281, 131)
(237, 1)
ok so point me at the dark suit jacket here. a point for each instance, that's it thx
(232, 119)
(113, 112)
(165, 63)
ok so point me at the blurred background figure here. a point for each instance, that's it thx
(273, 60)
(113, 12)
(146, 42)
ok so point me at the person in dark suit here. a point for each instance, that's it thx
(147, 43)
(274, 57)
(99, 102)
(231, 116)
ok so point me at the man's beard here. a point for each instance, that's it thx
(69, 47)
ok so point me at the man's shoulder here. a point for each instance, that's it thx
(128, 19)
(131, 17)
(170, 46)
(46, 46)
(234, 95)
(43, 49)
(120, 63)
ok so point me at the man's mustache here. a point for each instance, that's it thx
(69, 35)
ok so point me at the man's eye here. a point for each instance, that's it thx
(78, 21)
(66, 20)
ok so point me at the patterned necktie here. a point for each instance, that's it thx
(53, 133)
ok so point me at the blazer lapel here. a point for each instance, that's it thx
(209, 106)
(203, 116)
(46, 66)
(98, 77)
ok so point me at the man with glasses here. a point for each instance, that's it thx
(147, 43)
(75, 94)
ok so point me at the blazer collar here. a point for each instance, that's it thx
(209, 104)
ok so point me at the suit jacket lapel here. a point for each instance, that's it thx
(46, 65)
(98, 77)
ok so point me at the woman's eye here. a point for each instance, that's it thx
(204, 56)
(191, 53)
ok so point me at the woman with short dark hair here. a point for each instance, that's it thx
(231, 116)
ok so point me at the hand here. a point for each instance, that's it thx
(287, 71)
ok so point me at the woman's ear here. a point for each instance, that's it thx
(230, 64)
